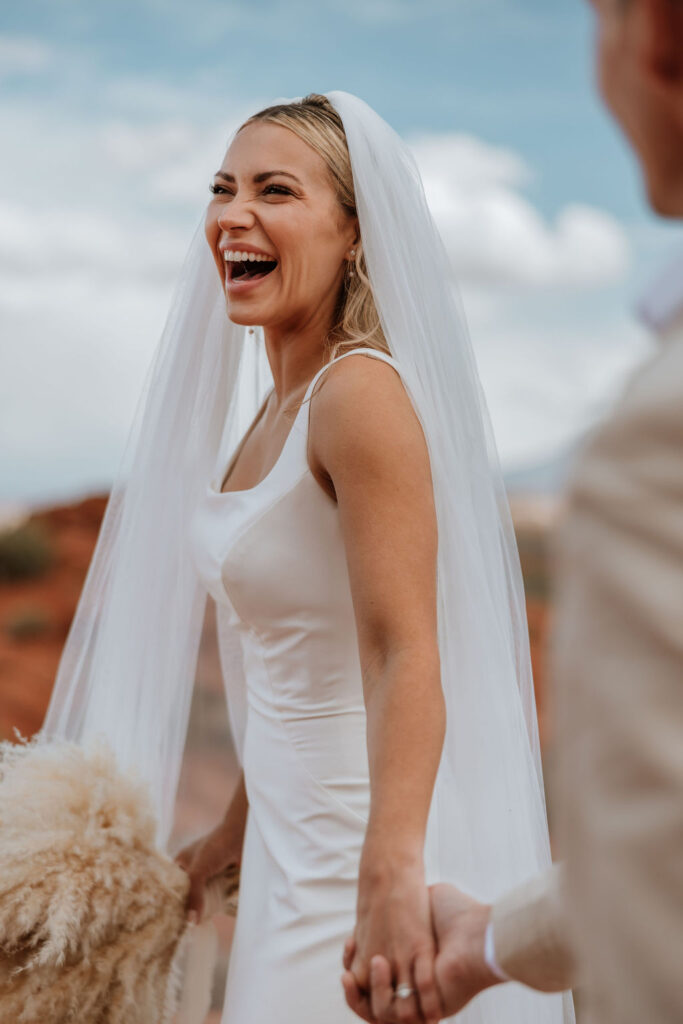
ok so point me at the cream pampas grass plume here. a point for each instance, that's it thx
(91, 913)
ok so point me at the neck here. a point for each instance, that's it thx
(295, 356)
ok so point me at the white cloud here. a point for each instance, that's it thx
(23, 55)
(60, 241)
(74, 356)
(548, 374)
(89, 249)
(96, 221)
(142, 148)
(168, 160)
(494, 234)
(455, 161)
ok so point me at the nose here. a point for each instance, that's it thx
(236, 214)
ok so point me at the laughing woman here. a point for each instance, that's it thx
(357, 542)
(321, 537)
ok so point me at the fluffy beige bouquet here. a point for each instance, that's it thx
(91, 913)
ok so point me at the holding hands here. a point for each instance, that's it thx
(393, 919)
(429, 968)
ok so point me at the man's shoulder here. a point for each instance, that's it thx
(642, 433)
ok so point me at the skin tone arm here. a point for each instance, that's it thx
(213, 853)
(367, 442)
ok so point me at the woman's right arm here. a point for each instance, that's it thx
(213, 853)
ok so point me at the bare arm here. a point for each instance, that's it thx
(368, 439)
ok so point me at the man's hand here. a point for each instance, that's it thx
(459, 924)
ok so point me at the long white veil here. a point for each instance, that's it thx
(128, 665)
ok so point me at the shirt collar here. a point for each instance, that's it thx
(660, 307)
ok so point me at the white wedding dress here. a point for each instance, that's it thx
(273, 557)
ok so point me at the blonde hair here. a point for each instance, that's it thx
(314, 119)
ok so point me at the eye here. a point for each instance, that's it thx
(278, 190)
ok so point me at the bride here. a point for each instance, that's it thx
(357, 542)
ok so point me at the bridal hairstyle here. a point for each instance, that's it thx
(129, 662)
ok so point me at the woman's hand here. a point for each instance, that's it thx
(211, 854)
(207, 857)
(393, 920)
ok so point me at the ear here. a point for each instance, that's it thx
(659, 32)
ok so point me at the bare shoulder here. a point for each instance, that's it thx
(362, 422)
(368, 441)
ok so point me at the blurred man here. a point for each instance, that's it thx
(611, 919)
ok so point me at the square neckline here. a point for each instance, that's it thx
(227, 467)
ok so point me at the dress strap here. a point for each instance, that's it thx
(365, 350)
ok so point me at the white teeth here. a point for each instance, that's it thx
(235, 256)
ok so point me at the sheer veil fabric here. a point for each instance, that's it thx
(128, 666)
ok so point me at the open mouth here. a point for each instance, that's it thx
(249, 270)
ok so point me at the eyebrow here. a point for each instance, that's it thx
(262, 176)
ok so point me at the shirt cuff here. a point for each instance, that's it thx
(490, 955)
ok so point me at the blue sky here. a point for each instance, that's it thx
(115, 114)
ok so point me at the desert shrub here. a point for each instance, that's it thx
(27, 622)
(25, 551)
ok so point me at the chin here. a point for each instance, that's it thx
(243, 321)
(665, 198)
(241, 317)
